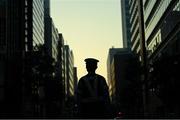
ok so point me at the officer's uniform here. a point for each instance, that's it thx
(92, 95)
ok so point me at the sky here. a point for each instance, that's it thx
(90, 28)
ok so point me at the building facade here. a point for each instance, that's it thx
(34, 24)
(135, 25)
(75, 80)
(125, 85)
(22, 31)
(161, 19)
(126, 26)
(69, 83)
(69, 80)
(159, 28)
(60, 73)
(110, 70)
(51, 33)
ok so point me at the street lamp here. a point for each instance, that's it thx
(143, 54)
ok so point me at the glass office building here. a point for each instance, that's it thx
(126, 26)
(21, 30)
(69, 75)
(161, 19)
(134, 21)
(34, 23)
(51, 36)
(38, 22)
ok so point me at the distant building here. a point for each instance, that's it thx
(126, 26)
(61, 64)
(51, 38)
(124, 81)
(51, 33)
(75, 80)
(69, 79)
(112, 52)
(60, 72)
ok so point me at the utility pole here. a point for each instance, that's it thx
(143, 55)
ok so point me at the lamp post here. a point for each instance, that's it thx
(143, 55)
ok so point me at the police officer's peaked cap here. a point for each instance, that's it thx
(91, 60)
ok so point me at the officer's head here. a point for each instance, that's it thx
(91, 64)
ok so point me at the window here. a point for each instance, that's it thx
(26, 3)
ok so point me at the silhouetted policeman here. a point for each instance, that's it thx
(92, 93)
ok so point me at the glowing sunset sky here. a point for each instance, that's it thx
(90, 28)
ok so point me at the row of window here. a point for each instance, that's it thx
(148, 9)
(151, 12)
(136, 44)
(177, 6)
(134, 12)
(158, 13)
(154, 43)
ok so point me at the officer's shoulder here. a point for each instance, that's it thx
(100, 76)
(82, 78)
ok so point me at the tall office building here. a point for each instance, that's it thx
(69, 64)
(11, 37)
(135, 24)
(123, 81)
(68, 80)
(60, 62)
(161, 27)
(162, 20)
(34, 37)
(34, 23)
(75, 80)
(22, 31)
(112, 52)
(51, 36)
(47, 8)
(60, 74)
(126, 26)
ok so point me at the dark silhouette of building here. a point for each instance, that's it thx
(125, 85)
(75, 79)
(22, 31)
(134, 21)
(161, 44)
(69, 81)
(33, 63)
(110, 71)
(162, 39)
(60, 74)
